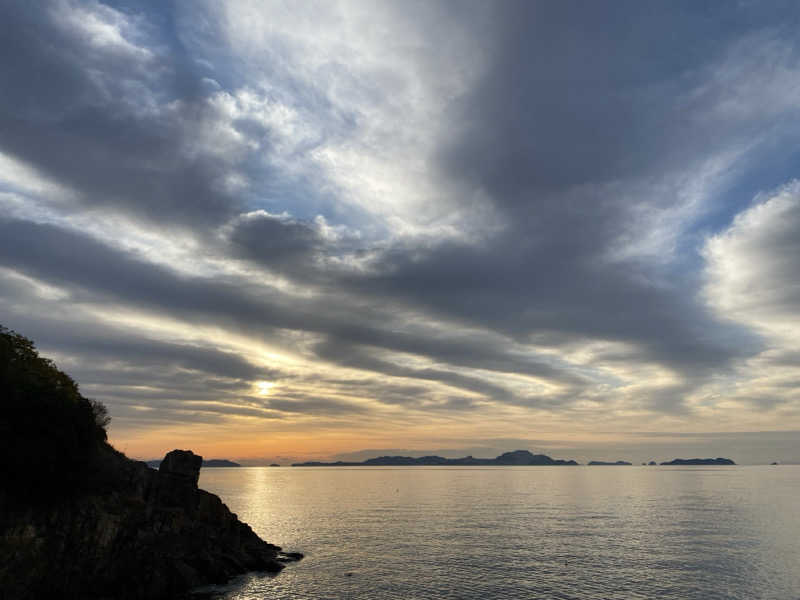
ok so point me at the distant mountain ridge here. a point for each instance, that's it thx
(700, 461)
(211, 462)
(602, 463)
(517, 457)
(220, 462)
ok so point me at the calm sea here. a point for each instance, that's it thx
(522, 532)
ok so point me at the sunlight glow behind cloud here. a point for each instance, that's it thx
(298, 228)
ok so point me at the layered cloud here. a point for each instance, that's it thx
(752, 280)
(382, 222)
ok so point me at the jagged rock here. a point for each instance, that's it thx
(182, 464)
(138, 534)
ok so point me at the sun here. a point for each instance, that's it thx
(263, 387)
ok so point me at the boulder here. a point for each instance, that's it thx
(182, 465)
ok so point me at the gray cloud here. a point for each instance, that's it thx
(582, 94)
(561, 291)
(95, 271)
(150, 353)
(564, 127)
(114, 122)
(361, 359)
(601, 144)
(273, 241)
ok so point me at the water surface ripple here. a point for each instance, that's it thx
(521, 532)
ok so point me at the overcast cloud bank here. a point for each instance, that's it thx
(377, 223)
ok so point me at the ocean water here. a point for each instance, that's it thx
(521, 532)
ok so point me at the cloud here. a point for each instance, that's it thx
(92, 272)
(496, 216)
(751, 279)
(280, 243)
(752, 265)
(121, 124)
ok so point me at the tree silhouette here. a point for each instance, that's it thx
(49, 432)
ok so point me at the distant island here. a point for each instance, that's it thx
(220, 462)
(608, 464)
(700, 461)
(211, 462)
(517, 457)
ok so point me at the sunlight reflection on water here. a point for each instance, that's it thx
(521, 532)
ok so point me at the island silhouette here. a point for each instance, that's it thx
(207, 463)
(700, 461)
(516, 457)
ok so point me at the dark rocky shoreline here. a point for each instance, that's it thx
(138, 534)
(81, 521)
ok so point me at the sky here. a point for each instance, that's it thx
(304, 230)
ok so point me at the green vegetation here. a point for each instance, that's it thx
(49, 432)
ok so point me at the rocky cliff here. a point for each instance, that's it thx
(137, 533)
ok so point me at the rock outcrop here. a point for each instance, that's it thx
(136, 534)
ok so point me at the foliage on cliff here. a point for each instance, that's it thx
(81, 521)
(49, 432)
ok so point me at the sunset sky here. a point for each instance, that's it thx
(298, 230)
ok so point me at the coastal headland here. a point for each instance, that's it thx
(138, 534)
(81, 521)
